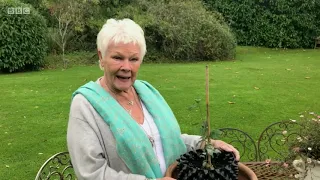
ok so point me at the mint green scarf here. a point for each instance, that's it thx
(132, 144)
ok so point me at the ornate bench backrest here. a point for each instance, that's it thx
(242, 142)
(58, 167)
(274, 141)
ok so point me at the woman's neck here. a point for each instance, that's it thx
(127, 94)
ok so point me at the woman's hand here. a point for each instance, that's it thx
(166, 178)
(226, 147)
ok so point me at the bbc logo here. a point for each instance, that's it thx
(18, 10)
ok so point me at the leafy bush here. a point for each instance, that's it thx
(22, 38)
(271, 23)
(183, 30)
(307, 145)
(82, 34)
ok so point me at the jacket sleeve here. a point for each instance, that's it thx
(192, 142)
(87, 156)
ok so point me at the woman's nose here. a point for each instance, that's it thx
(126, 65)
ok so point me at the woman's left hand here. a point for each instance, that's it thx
(226, 147)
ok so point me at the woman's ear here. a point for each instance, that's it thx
(100, 58)
(99, 54)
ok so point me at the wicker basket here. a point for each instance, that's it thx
(272, 171)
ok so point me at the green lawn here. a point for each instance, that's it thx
(265, 85)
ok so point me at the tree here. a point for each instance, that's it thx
(70, 17)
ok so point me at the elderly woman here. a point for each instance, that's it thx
(120, 127)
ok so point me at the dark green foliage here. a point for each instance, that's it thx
(22, 38)
(95, 15)
(39, 6)
(271, 23)
(215, 134)
(35, 3)
(182, 30)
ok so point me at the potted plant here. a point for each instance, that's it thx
(208, 162)
(305, 149)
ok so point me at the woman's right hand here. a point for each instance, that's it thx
(166, 178)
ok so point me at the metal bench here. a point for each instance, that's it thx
(273, 143)
(274, 140)
(57, 167)
(242, 142)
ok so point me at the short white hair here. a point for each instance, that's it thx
(120, 31)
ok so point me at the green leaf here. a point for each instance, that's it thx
(215, 134)
(210, 152)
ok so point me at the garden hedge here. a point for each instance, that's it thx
(183, 30)
(271, 23)
(23, 36)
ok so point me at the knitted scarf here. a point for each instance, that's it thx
(133, 146)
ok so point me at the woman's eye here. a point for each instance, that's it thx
(116, 57)
(134, 59)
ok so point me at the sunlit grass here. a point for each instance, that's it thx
(260, 87)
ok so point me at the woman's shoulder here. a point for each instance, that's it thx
(78, 99)
(80, 102)
(144, 83)
(81, 108)
(140, 81)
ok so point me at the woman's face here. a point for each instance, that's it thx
(121, 64)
